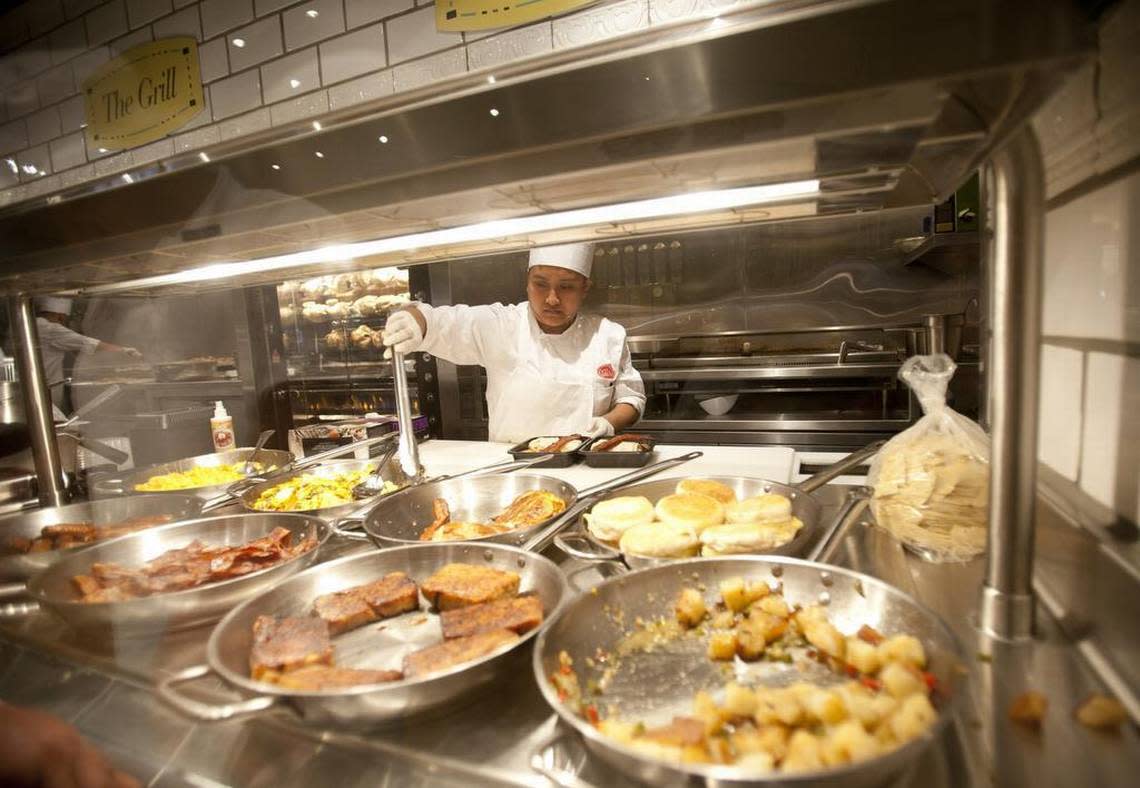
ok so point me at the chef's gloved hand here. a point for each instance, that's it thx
(402, 333)
(132, 352)
(600, 427)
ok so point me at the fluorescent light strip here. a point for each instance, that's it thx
(681, 204)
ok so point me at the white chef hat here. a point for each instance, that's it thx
(56, 304)
(573, 257)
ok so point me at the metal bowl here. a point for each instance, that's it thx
(53, 587)
(661, 683)
(28, 525)
(375, 646)
(400, 518)
(330, 514)
(125, 484)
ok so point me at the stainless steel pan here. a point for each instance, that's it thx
(374, 646)
(53, 588)
(583, 545)
(400, 518)
(21, 566)
(652, 687)
(125, 484)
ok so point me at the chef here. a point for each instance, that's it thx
(551, 370)
(56, 340)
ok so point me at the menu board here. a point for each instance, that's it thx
(455, 16)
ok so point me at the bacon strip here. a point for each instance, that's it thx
(558, 444)
(606, 445)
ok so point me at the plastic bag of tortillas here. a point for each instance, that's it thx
(931, 481)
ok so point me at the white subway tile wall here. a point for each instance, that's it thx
(290, 76)
(359, 52)
(1110, 450)
(254, 44)
(34, 163)
(1059, 432)
(312, 22)
(338, 52)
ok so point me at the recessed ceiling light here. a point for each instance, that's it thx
(102, 150)
(238, 42)
(294, 83)
(276, 166)
(384, 139)
(491, 79)
(494, 112)
(127, 177)
(316, 125)
(312, 13)
(12, 165)
(29, 169)
(204, 156)
(319, 155)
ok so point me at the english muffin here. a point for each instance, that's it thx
(713, 489)
(609, 519)
(767, 508)
(660, 540)
(690, 510)
(732, 538)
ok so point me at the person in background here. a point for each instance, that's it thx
(56, 340)
(37, 749)
(551, 370)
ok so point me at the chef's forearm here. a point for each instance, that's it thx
(622, 416)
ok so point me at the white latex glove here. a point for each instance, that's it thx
(402, 333)
(600, 427)
(132, 352)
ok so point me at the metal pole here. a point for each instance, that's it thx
(408, 452)
(1018, 188)
(37, 405)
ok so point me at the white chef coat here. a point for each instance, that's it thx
(537, 383)
(55, 342)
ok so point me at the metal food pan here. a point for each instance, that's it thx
(53, 587)
(125, 484)
(558, 459)
(656, 684)
(617, 459)
(379, 645)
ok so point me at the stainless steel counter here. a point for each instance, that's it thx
(104, 688)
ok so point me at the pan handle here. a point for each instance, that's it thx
(577, 545)
(8, 590)
(336, 451)
(640, 473)
(813, 483)
(551, 759)
(338, 527)
(207, 712)
(857, 501)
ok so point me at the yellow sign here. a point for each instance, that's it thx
(457, 15)
(144, 94)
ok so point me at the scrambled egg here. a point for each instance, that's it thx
(195, 477)
(312, 491)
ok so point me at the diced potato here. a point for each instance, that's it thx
(695, 753)
(862, 655)
(756, 763)
(775, 605)
(867, 707)
(914, 715)
(825, 637)
(901, 681)
(724, 619)
(903, 648)
(1101, 711)
(849, 742)
(739, 701)
(804, 753)
(722, 646)
(690, 607)
(706, 710)
(624, 732)
(754, 633)
(657, 751)
(1028, 708)
(820, 704)
(733, 593)
(719, 749)
(769, 739)
(775, 705)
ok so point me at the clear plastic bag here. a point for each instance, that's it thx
(931, 481)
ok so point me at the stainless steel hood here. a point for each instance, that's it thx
(888, 103)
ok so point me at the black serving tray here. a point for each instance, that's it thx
(558, 459)
(617, 459)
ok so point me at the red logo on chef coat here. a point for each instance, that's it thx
(606, 371)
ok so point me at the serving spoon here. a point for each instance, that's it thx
(250, 468)
(374, 485)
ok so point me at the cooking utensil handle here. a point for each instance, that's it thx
(832, 537)
(13, 589)
(104, 396)
(542, 539)
(104, 450)
(18, 609)
(640, 473)
(544, 759)
(338, 526)
(207, 712)
(855, 458)
(578, 545)
(506, 466)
